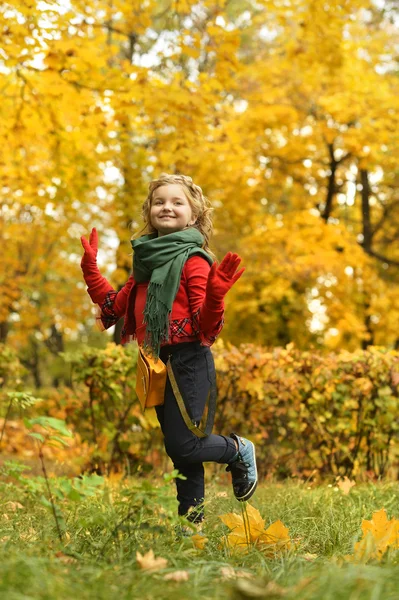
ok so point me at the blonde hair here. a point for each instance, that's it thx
(200, 205)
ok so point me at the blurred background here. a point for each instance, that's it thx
(285, 112)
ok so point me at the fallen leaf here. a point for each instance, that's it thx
(199, 541)
(114, 479)
(345, 485)
(177, 576)
(65, 558)
(227, 573)
(221, 495)
(276, 537)
(250, 589)
(230, 573)
(309, 557)
(249, 530)
(13, 506)
(379, 534)
(148, 562)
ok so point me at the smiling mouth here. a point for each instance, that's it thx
(167, 217)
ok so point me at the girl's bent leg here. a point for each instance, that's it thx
(185, 448)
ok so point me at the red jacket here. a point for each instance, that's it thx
(190, 319)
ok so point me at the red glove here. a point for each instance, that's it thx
(221, 278)
(97, 285)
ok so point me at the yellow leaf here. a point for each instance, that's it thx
(309, 557)
(13, 506)
(378, 535)
(114, 478)
(256, 523)
(232, 520)
(276, 535)
(177, 576)
(148, 562)
(199, 541)
(230, 573)
(250, 530)
(345, 485)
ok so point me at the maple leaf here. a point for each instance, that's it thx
(276, 537)
(65, 558)
(230, 573)
(379, 534)
(199, 541)
(148, 562)
(345, 485)
(249, 529)
(13, 506)
(177, 576)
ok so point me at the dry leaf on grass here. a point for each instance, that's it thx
(221, 495)
(65, 558)
(13, 506)
(309, 557)
(28, 535)
(345, 485)
(250, 530)
(250, 589)
(379, 535)
(199, 541)
(177, 576)
(230, 573)
(148, 562)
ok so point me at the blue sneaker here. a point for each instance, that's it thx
(243, 469)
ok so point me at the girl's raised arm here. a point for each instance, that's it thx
(207, 287)
(111, 302)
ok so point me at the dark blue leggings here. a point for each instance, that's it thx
(194, 371)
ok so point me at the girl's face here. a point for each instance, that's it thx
(170, 210)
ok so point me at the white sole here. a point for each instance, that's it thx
(252, 489)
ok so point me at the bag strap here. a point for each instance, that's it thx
(211, 403)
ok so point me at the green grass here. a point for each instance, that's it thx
(99, 551)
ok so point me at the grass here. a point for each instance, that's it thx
(104, 531)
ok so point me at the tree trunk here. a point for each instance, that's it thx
(366, 213)
(331, 184)
(4, 329)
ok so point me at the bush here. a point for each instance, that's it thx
(335, 413)
(108, 415)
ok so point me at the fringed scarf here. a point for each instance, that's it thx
(160, 260)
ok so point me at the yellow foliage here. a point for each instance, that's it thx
(104, 96)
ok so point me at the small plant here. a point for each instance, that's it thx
(22, 400)
(55, 432)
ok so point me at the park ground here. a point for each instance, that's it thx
(104, 524)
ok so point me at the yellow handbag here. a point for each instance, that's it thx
(150, 380)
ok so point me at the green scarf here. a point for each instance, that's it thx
(160, 260)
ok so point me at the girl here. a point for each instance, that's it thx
(173, 303)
